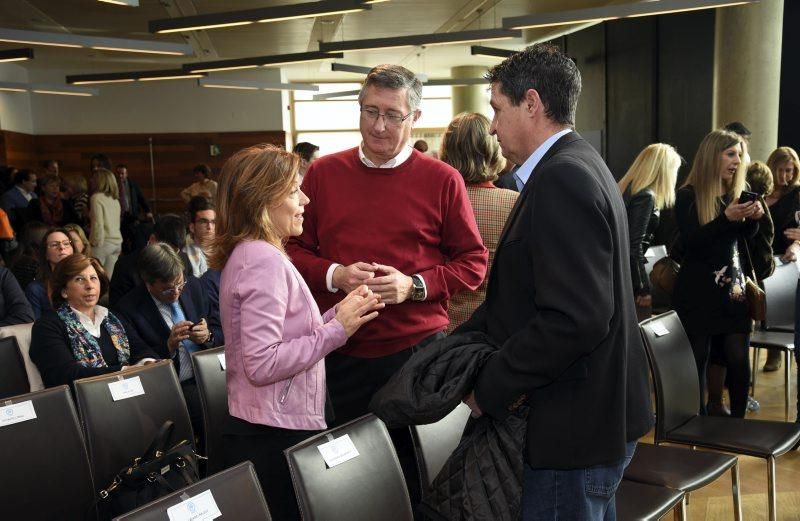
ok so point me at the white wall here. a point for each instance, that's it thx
(157, 107)
(15, 107)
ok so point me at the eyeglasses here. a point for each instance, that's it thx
(206, 222)
(174, 289)
(391, 120)
(59, 244)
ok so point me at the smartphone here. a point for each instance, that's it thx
(194, 325)
(748, 197)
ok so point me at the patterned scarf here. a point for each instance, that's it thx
(84, 345)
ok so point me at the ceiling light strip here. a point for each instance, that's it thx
(343, 67)
(255, 85)
(339, 94)
(262, 15)
(129, 3)
(259, 61)
(47, 88)
(119, 77)
(612, 12)
(420, 39)
(16, 55)
(94, 42)
(480, 50)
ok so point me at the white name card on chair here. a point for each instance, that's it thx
(201, 507)
(221, 358)
(16, 413)
(659, 329)
(123, 389)
(338, 451)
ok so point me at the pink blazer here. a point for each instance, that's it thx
(275, 340)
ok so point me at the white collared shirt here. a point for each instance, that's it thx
(394, 162)
(526, 169)
(92, 326)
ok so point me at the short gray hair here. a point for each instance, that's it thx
(394, 77)
(159, 262)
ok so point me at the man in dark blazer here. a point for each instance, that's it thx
(559, 300)
(165, 317)
(132, 203)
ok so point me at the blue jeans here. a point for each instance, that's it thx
(577, 494)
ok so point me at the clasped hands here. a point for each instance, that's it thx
(390, 284)
(185, 330)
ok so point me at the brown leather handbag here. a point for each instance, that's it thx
(756, 297)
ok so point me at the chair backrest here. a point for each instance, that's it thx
(45, 469)
(213, 390)
(435, 442)
(780, 288)
(369, 486)
(674, 372)
(119, 431)
(13, 378)
(235, 491)
(653, 255)
(22, 332)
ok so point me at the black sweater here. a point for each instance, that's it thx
(643, 217)
(51, 351)
(783, 217)
(709, 293)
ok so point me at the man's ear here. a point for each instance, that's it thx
(532, 101)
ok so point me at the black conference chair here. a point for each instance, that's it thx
(45, 471)
(13, 378)
(236, 493)
(213, 392)
(369, 486)
(682, 469)
(119, 431)
(777, 330)
(643, 502)
(678, 395)
(435, 442)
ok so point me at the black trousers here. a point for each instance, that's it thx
(264, 446)
(353, 381)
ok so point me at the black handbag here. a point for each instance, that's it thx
(158, 472)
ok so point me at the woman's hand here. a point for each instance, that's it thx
(738, 211)
(359, 307)
(758, 211)
(644, 300)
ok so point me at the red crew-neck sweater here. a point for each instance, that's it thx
(415, 217)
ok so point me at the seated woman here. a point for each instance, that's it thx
(56, 245)
(80, 338)
(276, 338)
(79, 241)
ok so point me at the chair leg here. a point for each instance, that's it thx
(756, 353)
(787, 366)
(679, 512)
(772, 497)
(737, 496)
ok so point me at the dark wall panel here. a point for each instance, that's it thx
(789, 108)
(631, 65)
(587, 48)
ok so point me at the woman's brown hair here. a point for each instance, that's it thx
(468, 147)
(67, 269)
(252, 181)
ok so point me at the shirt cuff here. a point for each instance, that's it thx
(329, 277)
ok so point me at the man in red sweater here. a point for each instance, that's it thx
(385, 215)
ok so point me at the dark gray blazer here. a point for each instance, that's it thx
(560, 303)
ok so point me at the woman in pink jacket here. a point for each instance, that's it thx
(276, 339)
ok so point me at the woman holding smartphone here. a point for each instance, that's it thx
(276, 338)
(714, 224)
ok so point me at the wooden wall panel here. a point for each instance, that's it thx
(174, 156)
(19, 149)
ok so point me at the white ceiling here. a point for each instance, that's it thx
(392, 18)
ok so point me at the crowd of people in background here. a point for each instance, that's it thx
(323, 275)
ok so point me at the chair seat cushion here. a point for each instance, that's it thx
(751, 437)
(775, 339)
(677, 468)
(642, 502)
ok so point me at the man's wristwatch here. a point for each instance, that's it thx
(417, 288)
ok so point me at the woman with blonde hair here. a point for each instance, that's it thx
(709, 295)
(105, 236)
(276, 338)
(647, 188)
(468, 147)
(79, 241)
(784, 201)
